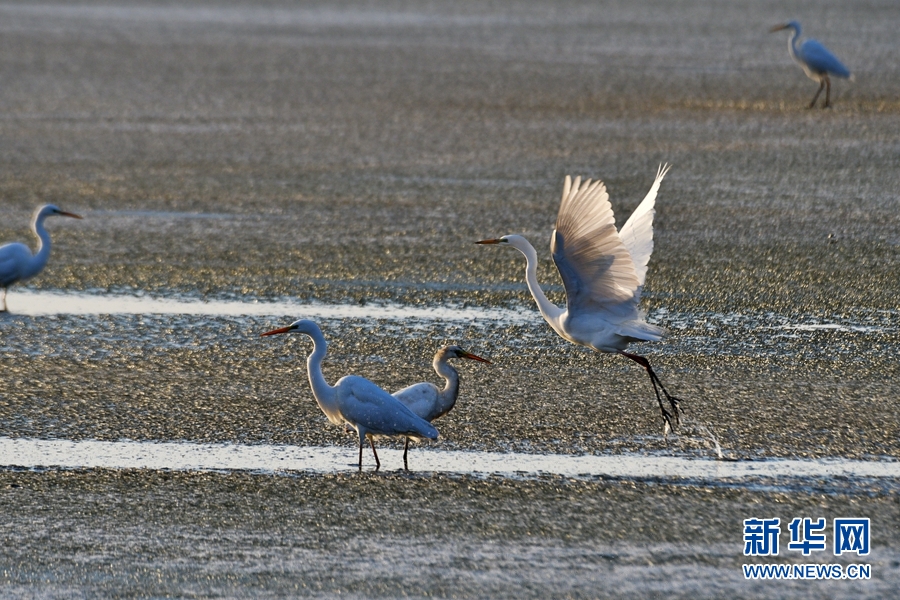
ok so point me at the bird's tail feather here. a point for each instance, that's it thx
(641, 330)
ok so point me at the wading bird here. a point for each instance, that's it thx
(816, 61)
(603, 271)
(17, 263)
(367, 408)
(429, 401)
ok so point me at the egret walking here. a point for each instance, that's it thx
(354, 400)
(428, 400)
(17, 263)
(816, 61)
(603, 272)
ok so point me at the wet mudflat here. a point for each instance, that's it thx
(348, 154)
(151, 533)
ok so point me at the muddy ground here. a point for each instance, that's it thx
(351, 152)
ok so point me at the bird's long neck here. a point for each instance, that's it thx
(40, 258)
(451, 389)
(326, 395)
(792, 44)
(550, 311)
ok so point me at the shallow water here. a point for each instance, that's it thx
(264, 458)
(39, 303)
(32, 303)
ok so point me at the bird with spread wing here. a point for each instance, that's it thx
(603, 271)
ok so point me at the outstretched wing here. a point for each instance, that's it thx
(594, 264)
(637, 232)
(820, 60)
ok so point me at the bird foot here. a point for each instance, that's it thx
(658, 387)
(668, 424)
(675, 404)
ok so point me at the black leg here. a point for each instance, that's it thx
(816, 97)
(657, 386)
(827, 91)
(377, 462)
(405, 451)
(360, 454)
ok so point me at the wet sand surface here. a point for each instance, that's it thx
(140, 533)
(349, 153)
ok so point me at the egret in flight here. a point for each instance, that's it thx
(17, 263)
(429, 401)
(816, 61)
(356, 401)
(603, 271)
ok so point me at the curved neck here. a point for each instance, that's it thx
(326, 395)
(451, 389)
(40, 258)
(792, 43)
(550, 311)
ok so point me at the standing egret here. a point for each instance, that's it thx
(815, 60)
(17, 263)
(429, 401)
(367, 408)
(603, 271)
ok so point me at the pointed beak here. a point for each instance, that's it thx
(497, 241)
(475, 357)
(778, 28)
(275, 331)
(68, 214)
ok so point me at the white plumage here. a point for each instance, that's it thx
(17, 263)
(816, 60)
(356, 401)
(603, 271)
(429, 401)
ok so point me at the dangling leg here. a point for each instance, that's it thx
(657, 386)
(827, 91)
(816, 97)
(405, 450)
(377, 462)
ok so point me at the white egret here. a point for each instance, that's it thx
(428, 400)
(17, 263)
(356, 401)
(816, 61)
(603, 272)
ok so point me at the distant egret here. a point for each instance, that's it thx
(816, 61)
(603, 272)
(17, 263)
(429, 401)
(367, 408)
